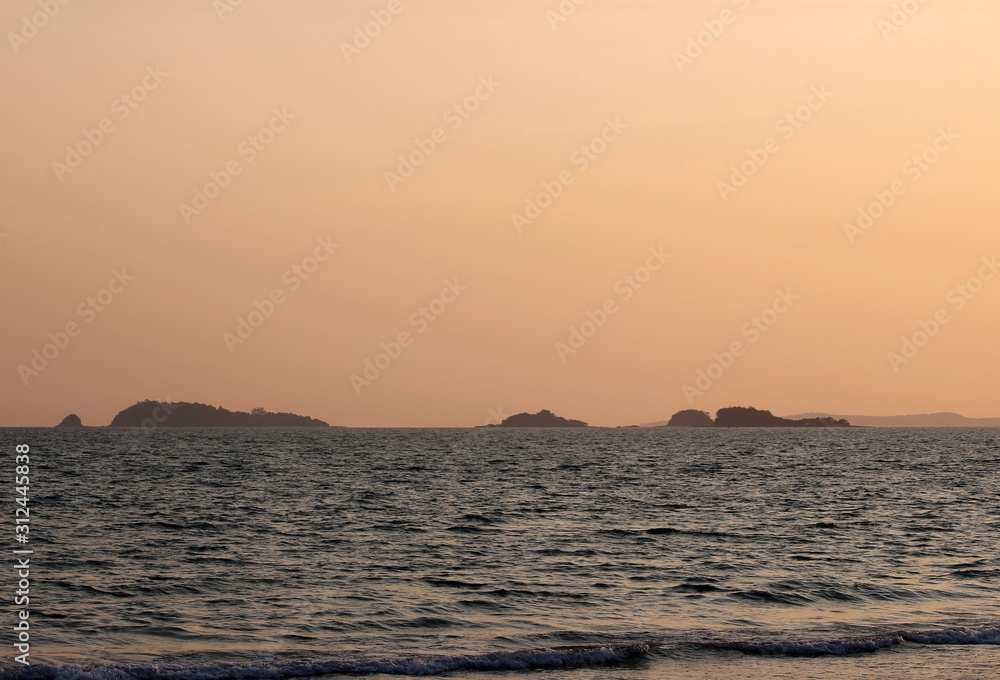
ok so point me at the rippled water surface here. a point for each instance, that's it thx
(601, 553)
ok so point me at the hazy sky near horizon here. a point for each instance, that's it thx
(824, 104)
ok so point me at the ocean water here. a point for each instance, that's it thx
(214, 554)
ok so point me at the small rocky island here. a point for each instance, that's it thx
(744, 416)
(543, 418)
(72, 420)
(187, 414)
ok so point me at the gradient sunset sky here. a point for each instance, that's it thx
(836, 96)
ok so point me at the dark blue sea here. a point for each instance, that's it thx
(494, 553)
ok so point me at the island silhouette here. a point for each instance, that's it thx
(544, 418)
(187, 414)
(691, 418)
(747, 416)
(72, 420)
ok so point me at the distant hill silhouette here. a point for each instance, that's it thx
(922, 420)
(691, 418)
(186, 414)
(72, 420)
(543, 418)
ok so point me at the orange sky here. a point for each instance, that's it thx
(616, 115)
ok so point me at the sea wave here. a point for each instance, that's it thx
(855, 645)
(536, 659)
